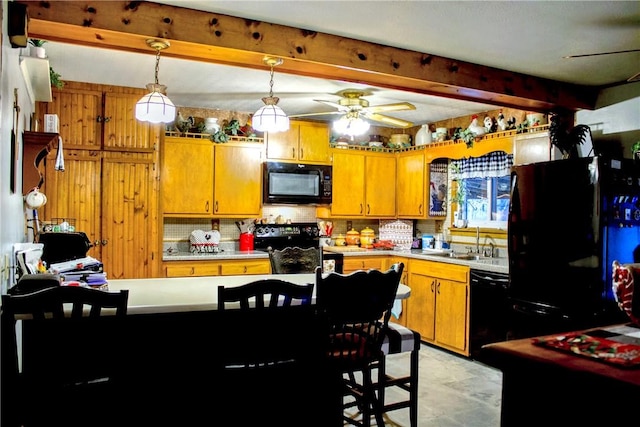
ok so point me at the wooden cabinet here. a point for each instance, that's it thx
(412, 184)
(439, 304)
(187, 177)
(237, 180)
(222, 267)
(109, 190)
(304, 141)
(248, 266)
(191, 269)
(367, 184)
(353, 263)
(533, 147)
(92, 116)
(203, 179)
(402, 319)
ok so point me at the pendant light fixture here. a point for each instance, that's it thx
(351, 124)
(156, 107)
(270, 117)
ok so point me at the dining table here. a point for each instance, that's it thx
(170, 349)
(184, 294)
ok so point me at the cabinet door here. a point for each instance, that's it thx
(238, 180)
(314, 142)
(79, 117)
(351, 264)
(411, 185)
(75, 194)
(191, 269)
(284, 145)
(451, 315)
(380, 186)
(122, 132)
(187, 176)
(129, 217)
(233, 268)
(421, 305)
(348, 184)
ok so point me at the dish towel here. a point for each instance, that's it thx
(60, 156)
(396, 310)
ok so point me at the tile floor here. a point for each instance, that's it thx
(453, 391)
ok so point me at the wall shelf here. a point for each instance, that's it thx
(36, 76)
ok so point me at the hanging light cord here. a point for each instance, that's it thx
(157, 63)
(271, 83)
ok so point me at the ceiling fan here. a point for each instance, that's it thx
(352, 105)
(634, 78)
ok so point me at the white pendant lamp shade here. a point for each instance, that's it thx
(270, 117)
(352, 126)
(155, 107)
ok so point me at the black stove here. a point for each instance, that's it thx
(279, 236)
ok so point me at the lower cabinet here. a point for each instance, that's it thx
(402, 317)
(439, 304)
(353, 263)
(216, 268)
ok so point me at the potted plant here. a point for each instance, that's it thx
(635, 150)
(39, 47)
(55, 79)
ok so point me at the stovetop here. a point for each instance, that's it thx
(295, 230)
(278, 236)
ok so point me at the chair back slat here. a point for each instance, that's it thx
(279, 293)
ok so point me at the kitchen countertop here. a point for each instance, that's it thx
(182, 294)
(495, 265)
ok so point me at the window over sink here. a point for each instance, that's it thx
(483, 190)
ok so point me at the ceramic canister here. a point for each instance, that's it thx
(366, 238)
(353, 238)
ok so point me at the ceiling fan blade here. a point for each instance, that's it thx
(323, 113)
(388, 120)
(333, 104)
(399, 106)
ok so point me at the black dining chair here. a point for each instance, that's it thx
(357, 307)
(294, 260)
(272, 340)
(71, 352)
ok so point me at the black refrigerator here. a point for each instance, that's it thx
(568, 220)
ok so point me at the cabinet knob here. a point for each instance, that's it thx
(101, 119)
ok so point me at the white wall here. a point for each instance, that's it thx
(12, 221)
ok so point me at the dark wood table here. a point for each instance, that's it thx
(544, 386)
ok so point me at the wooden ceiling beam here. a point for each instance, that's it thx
(223, 39)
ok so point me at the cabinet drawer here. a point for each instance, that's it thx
(191, 270)
(245, 267)
(441, 270)
(351, 264)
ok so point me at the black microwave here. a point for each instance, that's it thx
(296, 183)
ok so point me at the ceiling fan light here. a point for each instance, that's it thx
(351, 126)
(155, 107)
(270, 117)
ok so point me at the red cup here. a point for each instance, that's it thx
(246, 241)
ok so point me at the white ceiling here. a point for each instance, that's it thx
(529, 37)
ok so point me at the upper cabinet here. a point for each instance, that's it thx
(364, 184)
(202, 179)
(237, 180)
(304, 142)
(186, 178)
(99, 117)
(412, 185)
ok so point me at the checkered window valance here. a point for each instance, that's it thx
(495, 164)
